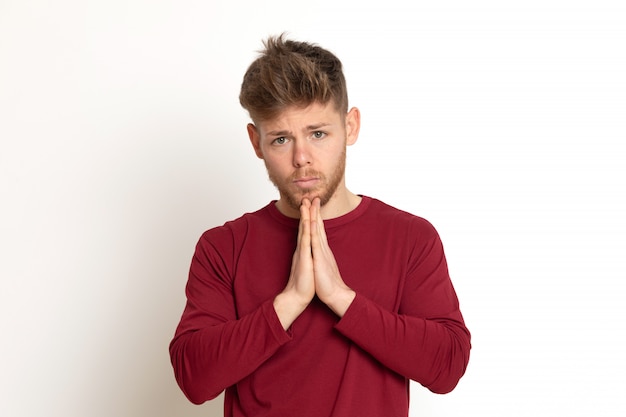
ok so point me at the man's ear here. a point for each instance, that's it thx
(353, 125)
(255, 139)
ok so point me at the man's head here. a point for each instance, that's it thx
(296, 95)
(290, 73)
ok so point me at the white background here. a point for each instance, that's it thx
(502, 122)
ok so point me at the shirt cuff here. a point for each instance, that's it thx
(280, 335)
(353, 319)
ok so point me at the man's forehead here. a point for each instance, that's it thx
(301, 117)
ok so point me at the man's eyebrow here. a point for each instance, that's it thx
(279, 133)
(289, 133)
(318, 126)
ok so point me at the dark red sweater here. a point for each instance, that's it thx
(404, 323)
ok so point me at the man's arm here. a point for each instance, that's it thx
(427, 340)
(213, 348)
(432, 351)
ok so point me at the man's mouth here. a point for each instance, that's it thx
(306, 182)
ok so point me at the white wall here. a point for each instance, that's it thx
(122, 140)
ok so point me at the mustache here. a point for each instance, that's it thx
(306, 174)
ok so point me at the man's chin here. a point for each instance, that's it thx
(309, 196)
(324, 198)
(296, 200)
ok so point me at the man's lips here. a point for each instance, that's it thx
(306, 182)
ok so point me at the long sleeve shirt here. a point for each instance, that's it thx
(404, 324)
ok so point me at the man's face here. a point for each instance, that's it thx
(304, 150)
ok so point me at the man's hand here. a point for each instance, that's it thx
(300, 288)
(329, 285)
(313, 271)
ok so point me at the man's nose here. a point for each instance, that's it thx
(301, 153)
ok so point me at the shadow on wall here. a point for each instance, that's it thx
(158, 205)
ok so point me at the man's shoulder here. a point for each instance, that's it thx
(381, 208)
(239, 225)
(385, 213)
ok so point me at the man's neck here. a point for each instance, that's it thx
(340, 205)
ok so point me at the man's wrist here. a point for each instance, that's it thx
(288, 308)
(341, 301)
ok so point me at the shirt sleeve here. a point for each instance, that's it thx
(212, 348)
(426, 340)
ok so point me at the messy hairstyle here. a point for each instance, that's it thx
(291, 73)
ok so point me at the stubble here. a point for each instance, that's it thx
(325, 191)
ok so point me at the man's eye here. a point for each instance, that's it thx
(280, 141)
(318, 135)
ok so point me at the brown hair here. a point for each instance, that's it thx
(292, 73)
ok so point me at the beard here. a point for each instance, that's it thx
(325, 190)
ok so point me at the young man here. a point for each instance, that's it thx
(324, 303)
